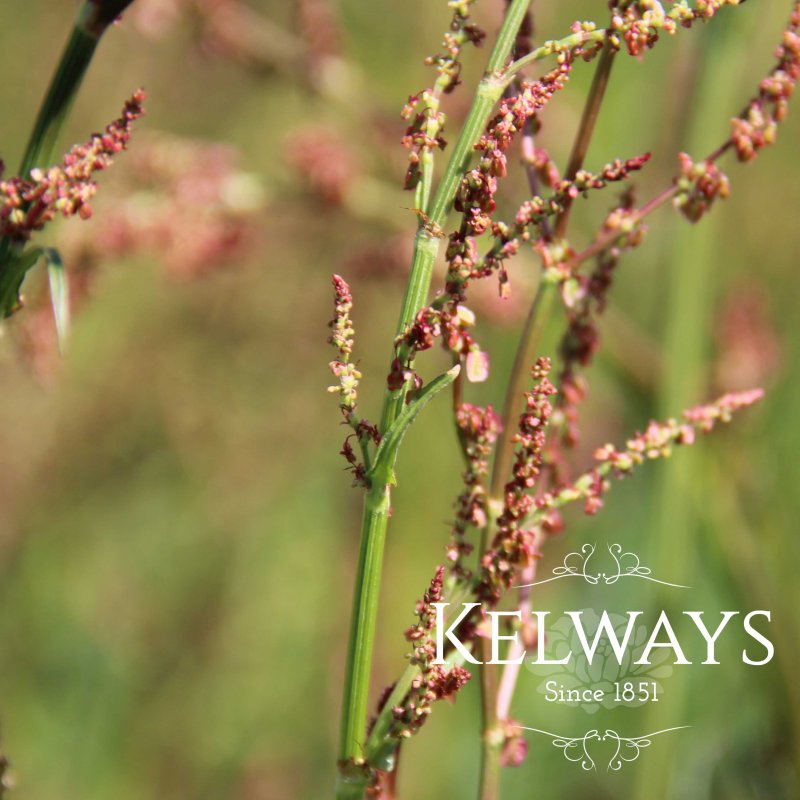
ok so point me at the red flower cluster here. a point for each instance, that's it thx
(434, 682)
(475, 197)
(640, 22)
(514, 542)
(342, 338)
(450, 324)
(478, 429)
(757, 125)
(656, 441)
(464, 264)
(705, 417)
(424, 132)
(27, 203)
(580, 341)
(699, 185)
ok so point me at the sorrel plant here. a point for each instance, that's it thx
(517, 472)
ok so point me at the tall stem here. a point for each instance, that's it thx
(352, 777)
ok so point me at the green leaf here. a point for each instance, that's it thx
(59, 288)
(59, 295)
(383, 468)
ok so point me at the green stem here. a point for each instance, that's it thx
(491, 737)
(352, 778)
(491, 733)
(365, 607)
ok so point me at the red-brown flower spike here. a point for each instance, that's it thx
(462, 255)
(451, 325)
(342, 339)
(434, 682)
(639, 23)
(657, 441)
(514, 543)
(757, 126)
(699, 185)
(27, 203)
(424, 133)
(478, 429)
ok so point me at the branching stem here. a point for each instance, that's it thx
(352, 780)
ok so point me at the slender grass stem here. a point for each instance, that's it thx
(491, 738)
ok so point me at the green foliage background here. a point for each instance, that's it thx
(178, 538)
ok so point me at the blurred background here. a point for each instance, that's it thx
(177, 534)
